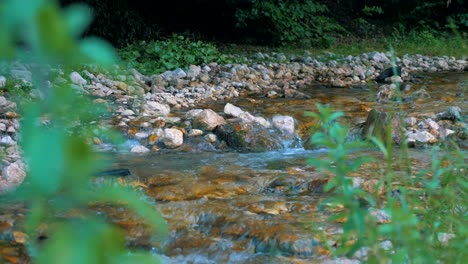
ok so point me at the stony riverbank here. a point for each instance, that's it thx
(143, 107)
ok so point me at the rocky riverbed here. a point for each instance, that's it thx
(161, 111)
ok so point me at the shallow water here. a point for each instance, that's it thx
(229, 207)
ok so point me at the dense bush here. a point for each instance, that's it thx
(118, 21)
(162, 55)
(284, 22)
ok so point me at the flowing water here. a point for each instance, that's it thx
(229, 207)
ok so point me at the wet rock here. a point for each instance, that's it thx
(172, 138)
(376, 125)
(285, 124)
(419, 94)
(76, 78)
(247, 136)
(154, 109)
(139, 149)
(390, 72)
(453, 113)
(207, 120)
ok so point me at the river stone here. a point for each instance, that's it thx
(193, 71)
(207, 120)
(212, 138)
(247, 117)
(195, 133)
(247, 136)
(139, 149)
(12, 176)
(141, 135)
(421, 137)
(122, 86)
(178, 73)
(76, 78)
(127, 112)
(453, 113)
(151, 108)
(172, 138)
(232, 110)
(386, 92)
(285, 124)
(376, 126)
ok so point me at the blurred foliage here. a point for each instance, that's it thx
(53, 139)
(162, 55)
(426, 205)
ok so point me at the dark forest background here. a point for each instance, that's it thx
(271, 22)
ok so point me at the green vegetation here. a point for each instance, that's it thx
(426, 205)
(163, 55)
(59, 189)
(286, 22)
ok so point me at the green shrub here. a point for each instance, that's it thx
(286, 22)
(162, 55)
(428, 204)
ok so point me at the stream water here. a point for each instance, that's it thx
(229, 207)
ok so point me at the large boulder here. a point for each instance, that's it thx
(377, 124)
(248, 136)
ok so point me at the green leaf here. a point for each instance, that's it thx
(78, 17)
(98, 51)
